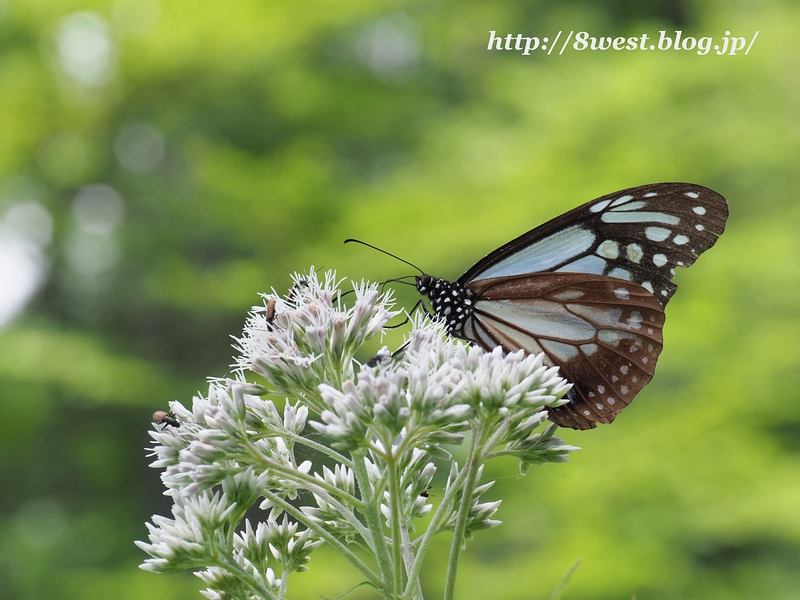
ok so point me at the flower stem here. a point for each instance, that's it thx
(473, 463)
(373, 518)
(433, 529)
(408, 559)
(284, 583)
(306, 481)
(230, 565)
(340, 458)
(325, 535)
(396, 512)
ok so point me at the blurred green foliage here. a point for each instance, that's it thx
(248, 139)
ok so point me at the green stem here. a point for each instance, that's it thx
(408, 559)
(325, 535)
(317, 486)
(301, 478)
(284, 583)
(397, 550)
(230, 565)
(373, 518)
(433, 529)
(476, 447)
(499, 432)
(340, 458)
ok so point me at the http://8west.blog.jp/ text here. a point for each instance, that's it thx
(726, 45)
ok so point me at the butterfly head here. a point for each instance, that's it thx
(425, 284)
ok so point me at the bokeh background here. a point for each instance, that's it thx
(163, 161)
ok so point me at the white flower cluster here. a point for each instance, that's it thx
(367, 479)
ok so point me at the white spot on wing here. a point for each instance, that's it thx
(639, 217)
(599, 206)
(609, 336)
(630, 206)
(657, 234)
(622, 293)
(568, 295)
(650, 194)
(699, 227)
(622, 200)
(692, 194)
(601, 389)
(589, 349)
(624, 389)
(635, 320)
(659, 260)
(634, 252)
(609, 249)
(648, 286)
(680, 239)
(700, 210)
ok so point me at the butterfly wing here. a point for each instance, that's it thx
(639, 234)
(603, 333)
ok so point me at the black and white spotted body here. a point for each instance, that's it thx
(450, 301)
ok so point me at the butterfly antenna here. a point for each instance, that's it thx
(401, 280)
(397, 280)
(348, 240)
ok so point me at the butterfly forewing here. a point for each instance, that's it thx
(587, 289)
(640, 234)
(604, 334)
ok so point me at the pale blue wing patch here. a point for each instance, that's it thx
(542, 318)
(543, 255)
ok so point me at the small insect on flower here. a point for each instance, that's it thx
(384, 356)
(270, 312)
(272, 305)
(301, 283)
(164, 418)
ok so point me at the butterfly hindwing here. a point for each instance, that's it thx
(639, 234)
(604, 334)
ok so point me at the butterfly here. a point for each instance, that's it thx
(588, 289)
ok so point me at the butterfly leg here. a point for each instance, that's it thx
(419, 305)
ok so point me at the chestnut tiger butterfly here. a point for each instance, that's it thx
(587, 289)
